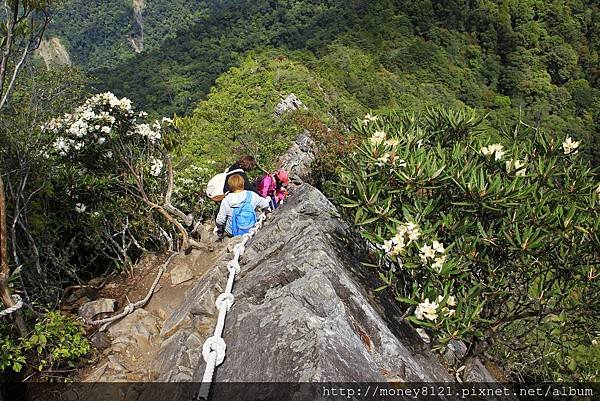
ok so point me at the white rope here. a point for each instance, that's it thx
(214, 347)
(18, 304)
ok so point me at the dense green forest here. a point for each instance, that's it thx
(445, 93)
(98, 34)
(534, 59)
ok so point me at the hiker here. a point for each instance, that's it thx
(237, 214)
(243, 165)
(274, 186)
(217, 187)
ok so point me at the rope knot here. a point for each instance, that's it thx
(238, 250)
(216, 345)
(225, 300)
(233, 266)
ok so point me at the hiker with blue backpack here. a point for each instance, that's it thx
(237, 214)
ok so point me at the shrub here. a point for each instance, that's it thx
(478, 238)
(56, 341)
(112, 180)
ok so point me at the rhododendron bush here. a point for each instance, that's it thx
(113, 176)
(485, 239)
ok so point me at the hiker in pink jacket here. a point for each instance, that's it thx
(274, 186)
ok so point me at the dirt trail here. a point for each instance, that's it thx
(128, 347)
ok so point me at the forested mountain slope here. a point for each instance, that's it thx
(174, 77)
(102, 33)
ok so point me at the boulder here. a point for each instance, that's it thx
(288, 104)
(139, 328)
(181, 273)
(93, 308)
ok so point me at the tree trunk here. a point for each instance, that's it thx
(5, 294)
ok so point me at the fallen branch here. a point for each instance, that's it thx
(132, 306)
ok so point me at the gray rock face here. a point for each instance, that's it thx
(298, 159)
(290, 103)
(139, 328)
(93, 308)
(301, 315)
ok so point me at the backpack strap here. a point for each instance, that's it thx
(248, 197)
(238, 170)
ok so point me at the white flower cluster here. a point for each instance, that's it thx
(109, 99)
(517, 165)
(430, 252)
(95, 121)
(369, 119)
(91, 123)
(80, 207)
(381, 137)
(378, 137)
(429, 310)
(152, 133)
(406, 234)
(496, 150)
(570, 147)
(156, 166)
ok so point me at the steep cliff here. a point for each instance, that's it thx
(53, 52)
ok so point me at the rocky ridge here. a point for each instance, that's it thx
(302, 312)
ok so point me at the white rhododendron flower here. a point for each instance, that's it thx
(426, 252)
(78, 128)
(106, 130)
(392, 142)
(387, 246)
(80, 208)
(61, 145)
(570, 147)
(439, 263)
(438, 247)
(156, 166)
(406, 233)
(378, 137)
(383, 159)
(145, 130)
(369, 119)
(496, 150)
(517, 165)
(427, 310)
(101, 140)
(170, 121)
(451, 301)
(413, 231)
(88, 114)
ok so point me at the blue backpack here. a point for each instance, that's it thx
(244, 217)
